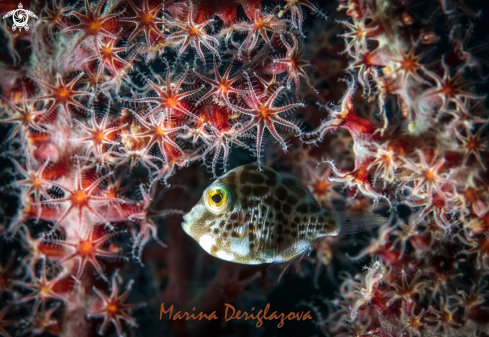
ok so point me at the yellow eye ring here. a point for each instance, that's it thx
(218, 198)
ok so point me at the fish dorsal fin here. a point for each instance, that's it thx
(358, 221)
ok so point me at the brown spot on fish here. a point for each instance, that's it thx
(281, 193)
(287, 208)
(268, 200)
(271, 177)
(303, 208)
(259, 191)
(250, 167)
(248, 177)
(280, 217)
(277, 205)
(244, 203)
(246, 191)
(254, 203)
(230, 179)
(292, 200)
(271, 182)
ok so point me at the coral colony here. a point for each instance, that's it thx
(117, 114)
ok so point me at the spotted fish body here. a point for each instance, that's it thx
(269, 217)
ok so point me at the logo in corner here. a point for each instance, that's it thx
(20, 17)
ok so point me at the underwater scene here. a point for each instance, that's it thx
(244, 168)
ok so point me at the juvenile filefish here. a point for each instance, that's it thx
(254, 216)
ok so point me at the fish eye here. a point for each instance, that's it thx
(218, 198)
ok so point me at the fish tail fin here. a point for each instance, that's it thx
(358, 221)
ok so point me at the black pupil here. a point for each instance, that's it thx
(217, 198)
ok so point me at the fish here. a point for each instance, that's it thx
(256, 215)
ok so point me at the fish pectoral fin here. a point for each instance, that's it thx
(276, 270)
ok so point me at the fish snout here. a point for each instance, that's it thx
(186, 224)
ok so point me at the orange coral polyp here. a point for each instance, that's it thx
(86, 248)
(27, 118)
(264, 112)
(160, 131)
(99, 137)
(172, 102)
(320, 187)
(408, 64)
(94, 27)
(107, 50)
(429, 175)
(45, 292)
(148, 18)
(112, 308)
(79, 198)
(224, 86)
(63, 93)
